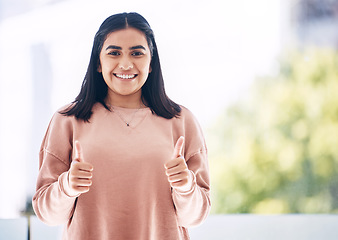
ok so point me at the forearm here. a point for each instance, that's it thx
(51, 203)
(193, 206)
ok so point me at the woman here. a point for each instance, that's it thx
(123, 161)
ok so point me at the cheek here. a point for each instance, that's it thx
(107, 64)
(146, 68)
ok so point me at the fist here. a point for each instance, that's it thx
(80, 173)
(179, 176)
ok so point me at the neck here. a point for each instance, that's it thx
(134, 101)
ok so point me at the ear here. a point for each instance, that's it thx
(150, 69)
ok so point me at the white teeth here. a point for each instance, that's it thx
(125, 76)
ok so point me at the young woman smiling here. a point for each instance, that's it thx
(125, 65)
(123, 161)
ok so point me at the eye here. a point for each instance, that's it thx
(114, 53)
(137, 53)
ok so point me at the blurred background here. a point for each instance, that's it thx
(261, 77)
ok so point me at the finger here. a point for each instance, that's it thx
(180, 161)
(82, 174)
(83, 189)
(80, 168)
(82, 183)
(78, 152)
(179, 183)
(173, 168)
(172, 163)
(178, 147)
(85, 175)
(178, 177)
(85, 167)
(176, 170)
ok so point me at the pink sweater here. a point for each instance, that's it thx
(130, 197)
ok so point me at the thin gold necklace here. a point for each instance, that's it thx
(121, 117)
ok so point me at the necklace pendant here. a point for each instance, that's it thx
(122, 118)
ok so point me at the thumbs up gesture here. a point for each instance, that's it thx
(80, 173)
(179, 176)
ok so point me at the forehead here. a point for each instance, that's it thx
(126, 37)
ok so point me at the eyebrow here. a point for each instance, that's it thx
(131, 48)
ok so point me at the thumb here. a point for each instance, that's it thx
(78, 152)
(178, 147)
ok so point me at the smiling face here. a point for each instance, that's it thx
(125, 65)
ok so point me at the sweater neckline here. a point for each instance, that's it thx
(129, 109)
(123, 109)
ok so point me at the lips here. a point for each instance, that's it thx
(125, 76)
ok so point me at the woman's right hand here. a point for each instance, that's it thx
(80, 173)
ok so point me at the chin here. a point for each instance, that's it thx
(126, 93)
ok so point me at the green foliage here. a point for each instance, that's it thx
(276, 151)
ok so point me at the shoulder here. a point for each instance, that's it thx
(187, 121)
(187, 116)
(62, 122)
(186, 113)
(193, 133)
(61, 116)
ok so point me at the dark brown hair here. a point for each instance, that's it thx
(94, 89)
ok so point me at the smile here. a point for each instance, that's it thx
(125, 76)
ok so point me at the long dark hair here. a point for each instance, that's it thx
(94, 89)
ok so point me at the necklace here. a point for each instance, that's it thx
(122, 118)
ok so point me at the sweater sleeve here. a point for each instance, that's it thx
(193, 206)
(51, 203)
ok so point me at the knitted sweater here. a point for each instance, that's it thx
(130, 197)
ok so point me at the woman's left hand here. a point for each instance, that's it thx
(179, 176)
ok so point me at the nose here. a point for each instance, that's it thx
(126, 64)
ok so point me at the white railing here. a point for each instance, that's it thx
(216, 227)
(267, 227)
